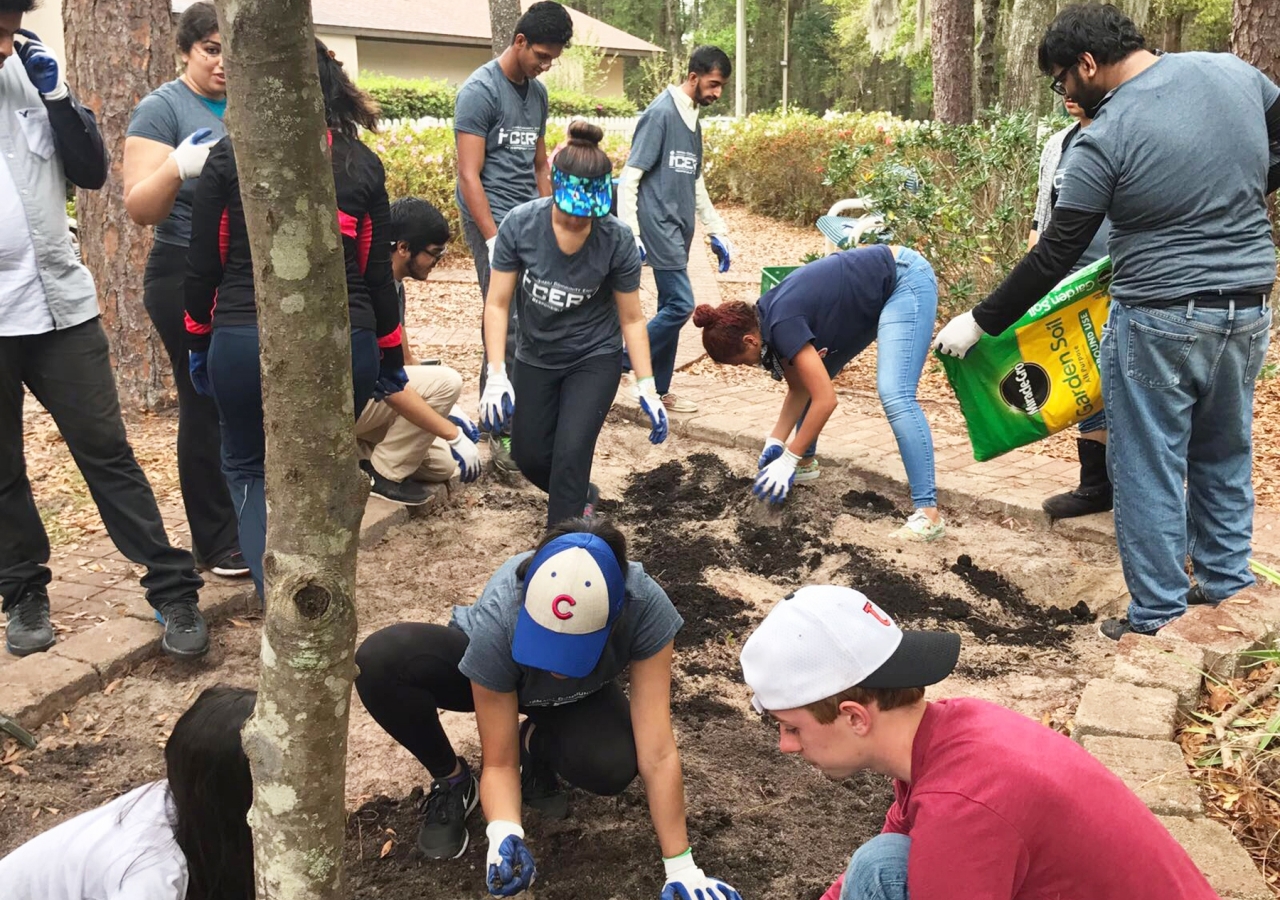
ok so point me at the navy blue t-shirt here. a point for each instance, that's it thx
(833, 303)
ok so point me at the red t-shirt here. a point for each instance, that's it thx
(1000, 807)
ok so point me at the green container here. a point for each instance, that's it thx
(771, 276)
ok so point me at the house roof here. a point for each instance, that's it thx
(449, 22)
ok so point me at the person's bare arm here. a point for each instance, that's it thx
(542, 168)
(498, 721)
(656, 752)
(151, 180)
(497, 307)
(635, 332)
(471, 151)
(807, 373)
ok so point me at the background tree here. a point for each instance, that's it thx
(952, 37)
(503, 16)
(118, 52)
(297, 738)
(1023, 87)
(1255, 34)
(988, 49)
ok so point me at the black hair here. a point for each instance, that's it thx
(418, 224)
(581, 154)
(18, 6)
(197, 22)
(1102, 31)
(707, 59)
(346, 108)
(545, 22)
(212, 791)
(601, 528)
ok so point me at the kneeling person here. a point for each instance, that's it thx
(549, 636)
(988, 803)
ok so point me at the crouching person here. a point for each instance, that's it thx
(548, 638)
(988, 803)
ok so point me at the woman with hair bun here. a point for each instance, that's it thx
(574, 272)
(808, 328)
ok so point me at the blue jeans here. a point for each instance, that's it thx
(878, 870)
(1178, 386)
(236, 378)
(903, 337)
(675, 306)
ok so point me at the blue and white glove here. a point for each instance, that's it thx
(467, 455)
(958, 336)
(191, 154)
(772, 450)
(511, 866)
(41, 65)
(391, 380)
(651, 403)
(723, 250)
(198, 364)
(459, 417)
(775, 480)
(498, 402)
(685, 881)
(644, 254)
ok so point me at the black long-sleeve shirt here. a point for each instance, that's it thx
(78, 141)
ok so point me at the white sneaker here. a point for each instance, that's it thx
(920, 528)
(678, 404)
(807, 470)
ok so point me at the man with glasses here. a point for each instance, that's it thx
(1181, 155)
(419, 436)
(500, 124)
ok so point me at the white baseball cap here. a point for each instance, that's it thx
(824, 639)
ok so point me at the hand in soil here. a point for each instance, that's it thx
(775, 480)
(511, 868)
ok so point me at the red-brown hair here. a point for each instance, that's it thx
(724, 327)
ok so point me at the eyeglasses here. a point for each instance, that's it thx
(434, 254)
(1059, 86)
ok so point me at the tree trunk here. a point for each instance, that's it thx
(1173, 33)
(1255, 34)
(118, 53)
(988, 86)
(1025, 90)
(297, 738)
(503, 16)
(952, 39)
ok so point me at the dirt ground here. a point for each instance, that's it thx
(770, 825)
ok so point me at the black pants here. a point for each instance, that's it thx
(559, 414)
(410, 671)
(69, 372)
(204, 491)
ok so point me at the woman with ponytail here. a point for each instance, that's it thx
(807, 329)
(574, 273)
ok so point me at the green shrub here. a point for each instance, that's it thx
(573, 103)
(406, 98)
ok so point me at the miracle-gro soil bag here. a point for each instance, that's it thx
(1041, 375)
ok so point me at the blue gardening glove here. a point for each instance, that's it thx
(775, 480)
(685, 881)
(498, 402)
(458, 417)
(190, 155)
(511, 866)
(41, 65)
(651, 403)
(198, 364)
(466, 453)
(772, 450)
(644, 254)
(390, 381)
(723, 250)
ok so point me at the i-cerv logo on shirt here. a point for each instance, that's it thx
(683, 162)
(521, 138)
(552, 295)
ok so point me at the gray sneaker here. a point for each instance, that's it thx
(185, 634)
(443, 833)
(500, 454)
(28, 630)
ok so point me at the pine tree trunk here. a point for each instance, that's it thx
(952, 61)
(119, 52)
(1173, 33)
(503, 16)
(1025, 89)
(297, 738)
(1255, 34)
(988, 87)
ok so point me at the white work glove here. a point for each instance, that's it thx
(644, 254)
(958, 336)
(651, 403)
(772, 450)
(490, 244)
(498, 402)
(685, 881)
(775, 480)
(511, 867)
(191, 154)
(467, 455)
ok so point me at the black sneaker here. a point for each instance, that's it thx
(406, 493)
(185, 634)
(1196, 597)
(28, 630)
(443, 833)
(593, 500)
(1114, 629)
(231, 565)
(540, 788)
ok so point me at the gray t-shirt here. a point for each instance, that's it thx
(489, 106)
(1178, 158)
(168, 115)
(565, 304)
(671, 156)
(648, 622)
(1098, 246)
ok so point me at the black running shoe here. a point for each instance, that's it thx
(1114, 629)
(185, 634)
(28, 629)
(405, 493)
(593, 500)
(443, 833)
(231, 565)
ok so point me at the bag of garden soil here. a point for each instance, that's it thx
(1041, 375)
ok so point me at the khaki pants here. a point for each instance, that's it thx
(398, 449)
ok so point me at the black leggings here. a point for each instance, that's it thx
(559, 414)
(410, 671)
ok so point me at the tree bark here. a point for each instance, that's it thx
(1255, 34)
(1173, 33)
(297, 738)
(1025, 90)
(988, 86)
(952, 39)
(118, 52)
(503, 16)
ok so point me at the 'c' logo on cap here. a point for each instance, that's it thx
(557, 611)
(870, 610)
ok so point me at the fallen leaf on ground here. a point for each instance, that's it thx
(386, 848)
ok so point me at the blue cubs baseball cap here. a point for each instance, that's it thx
(574, 591)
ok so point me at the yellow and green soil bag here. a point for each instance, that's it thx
(1041, 375)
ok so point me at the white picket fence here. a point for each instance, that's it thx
(620, 126)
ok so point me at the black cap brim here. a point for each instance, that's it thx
(923, 658)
